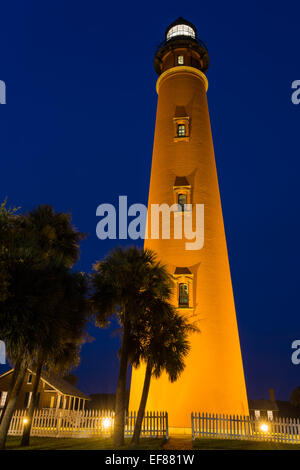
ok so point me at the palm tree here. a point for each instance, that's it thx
(30, 247)
(163, 345)
(11, 402)
(16, 371)
(10, 237)
(118, 285)
(17, 325)
(10, 241)
(54, 235)
(32, 406)
(63, 361)
(61, 338)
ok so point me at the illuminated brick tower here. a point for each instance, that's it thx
(184, 172)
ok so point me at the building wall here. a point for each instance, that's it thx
(45, 394)
(213, 380)
(45, 397)
(263, 414)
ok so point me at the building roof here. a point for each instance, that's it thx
(263, 405)
(63, 386)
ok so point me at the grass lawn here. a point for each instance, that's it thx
(211, 444)
(52, 443)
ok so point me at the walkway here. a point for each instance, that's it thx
(179, 443)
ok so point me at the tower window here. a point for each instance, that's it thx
(180, 60)
(183, 295)
(184, 287)
(182, 200)
(181, 130)
(182, 194)
(29, 381)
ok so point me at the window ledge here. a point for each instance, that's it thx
(185, 213)
(181, 139)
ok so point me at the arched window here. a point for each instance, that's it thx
(183, 295)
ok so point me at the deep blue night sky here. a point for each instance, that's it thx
(77, 131)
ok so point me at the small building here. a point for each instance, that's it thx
(264, 409)
(53, 392)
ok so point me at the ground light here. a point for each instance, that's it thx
(106, 423)
(264, 427)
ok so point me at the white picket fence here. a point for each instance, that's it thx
(155, 424)
(85, 423)
(207, 425)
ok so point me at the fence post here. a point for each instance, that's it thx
(167, 426)
(193, 432)
(58, 422)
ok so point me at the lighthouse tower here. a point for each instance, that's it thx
(184, 172)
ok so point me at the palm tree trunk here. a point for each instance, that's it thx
(11, 403)
(32, 406)
(140, 416)
(118, 438)
(13, 381)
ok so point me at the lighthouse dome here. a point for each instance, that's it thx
(181, 27)
(181, 46)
